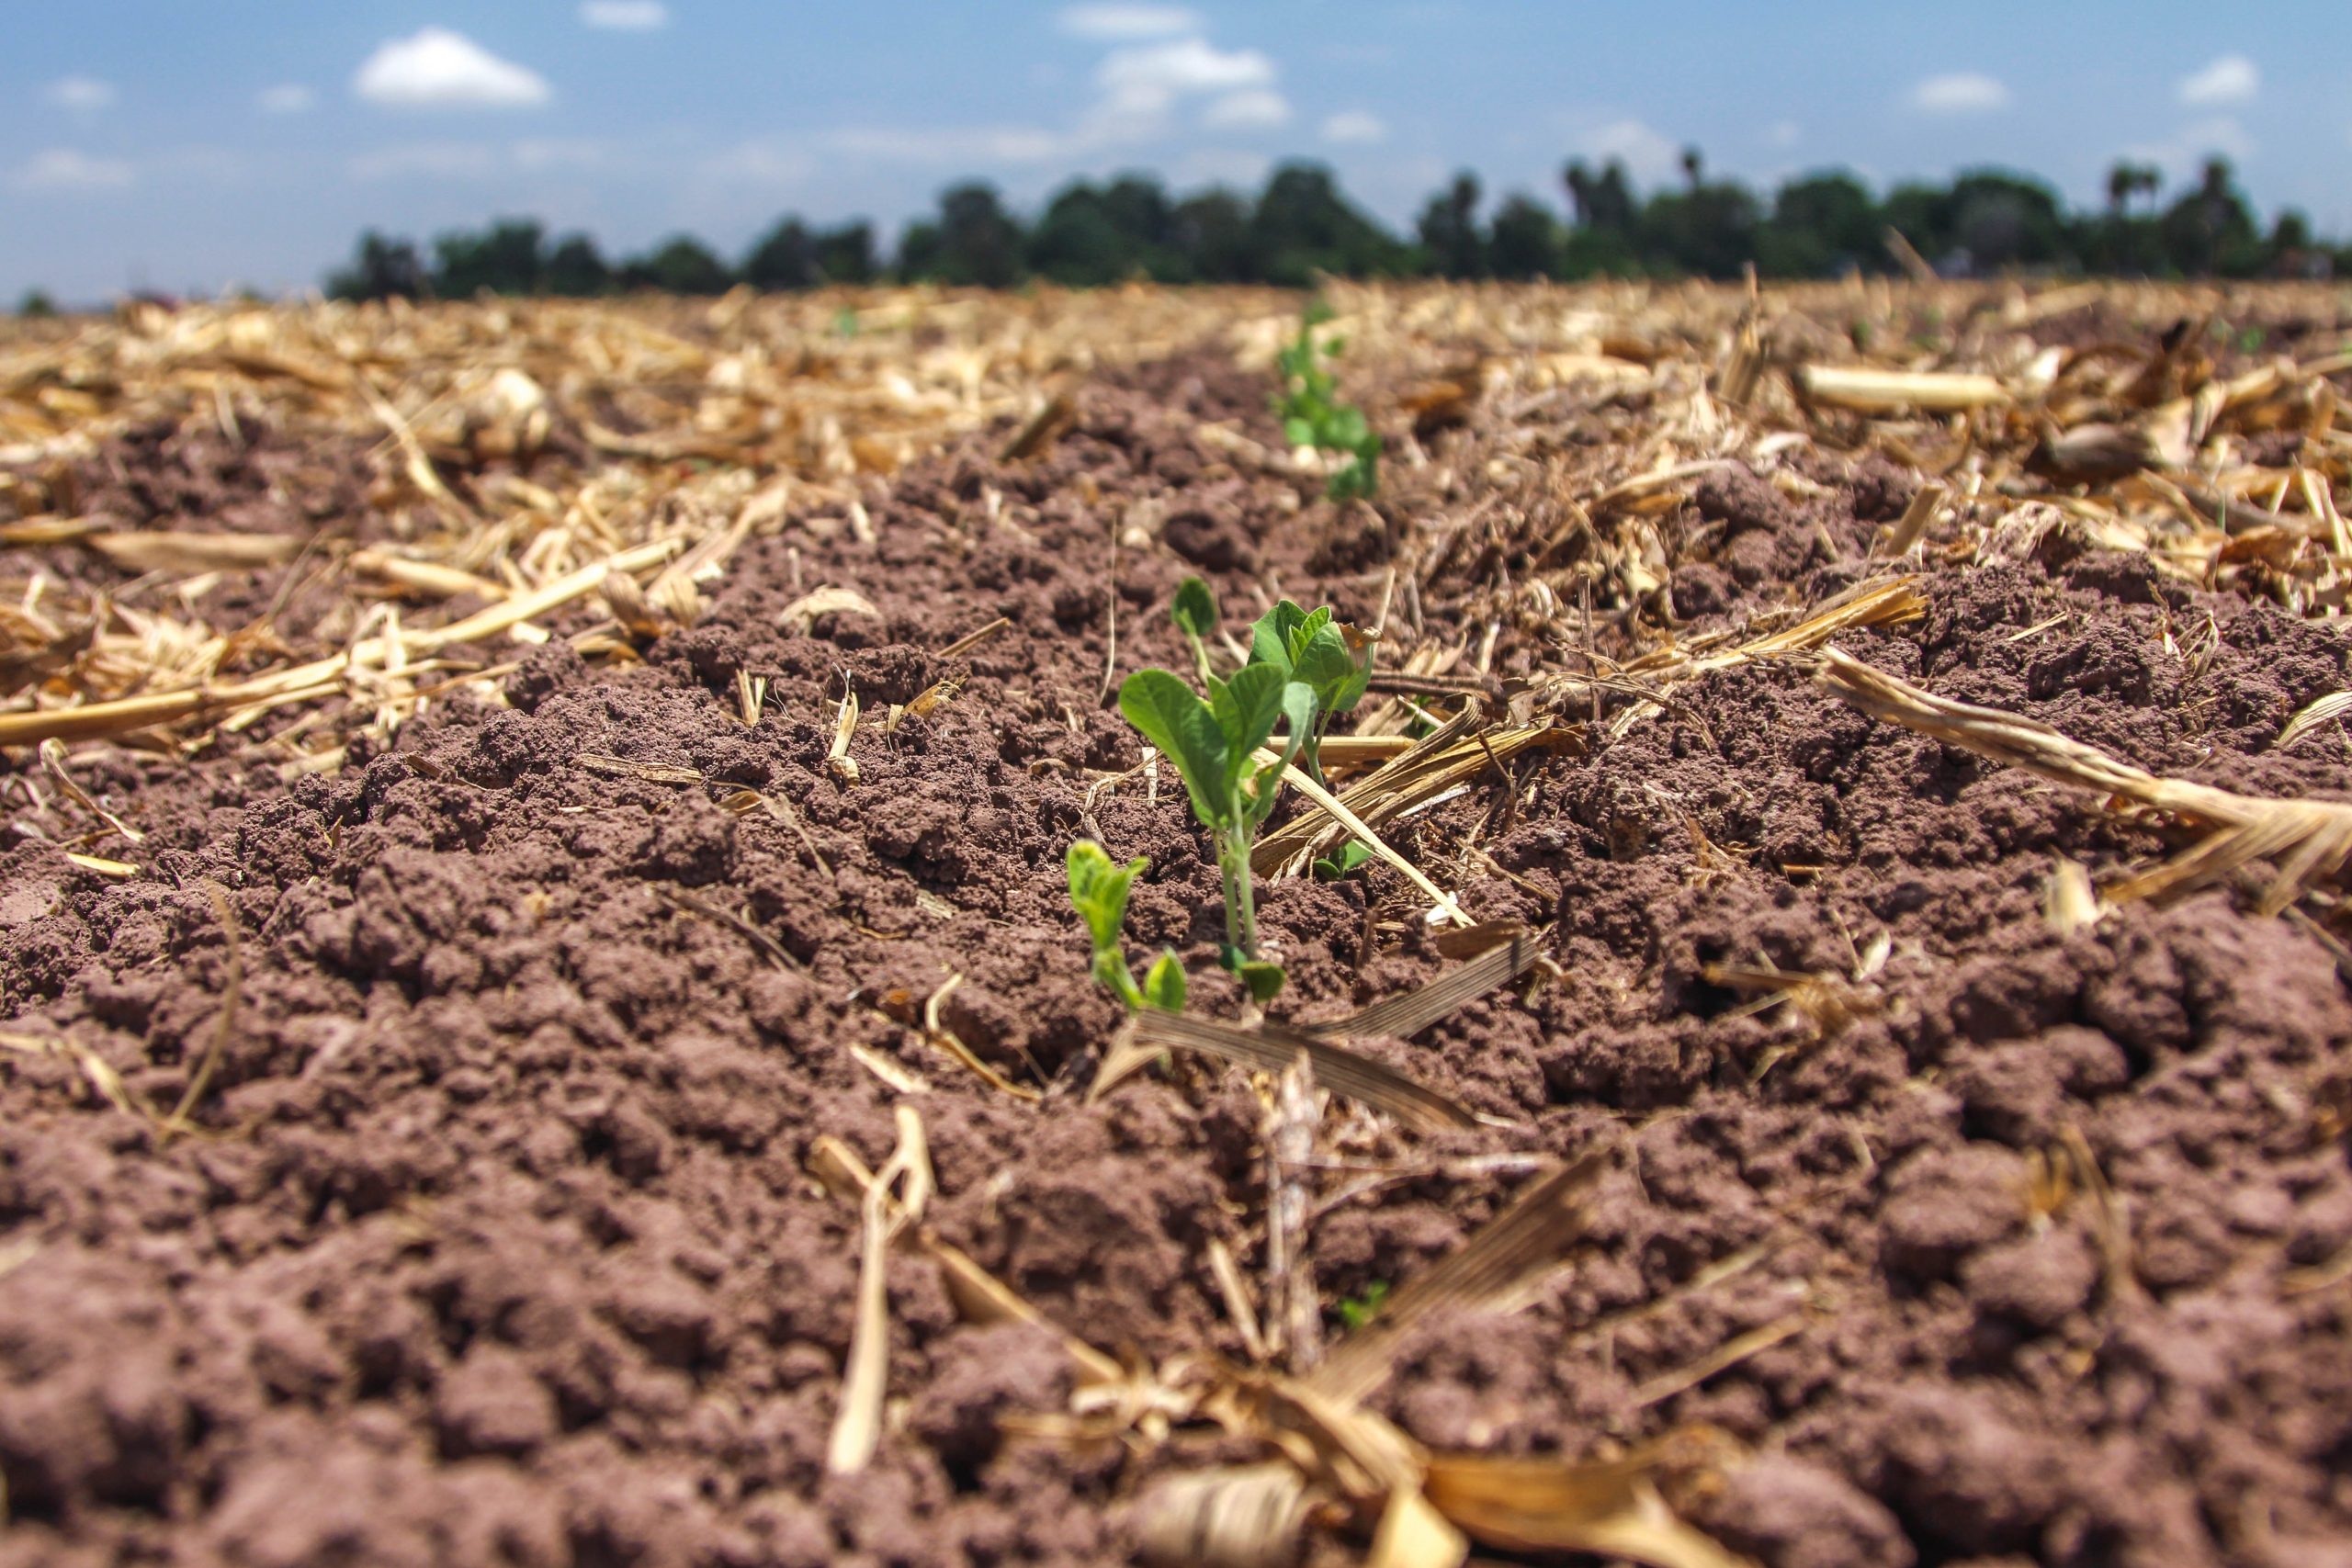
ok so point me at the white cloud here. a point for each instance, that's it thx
(2233, 79)
(1785, 133)
(1125, 23)
(290, 97)
(1146, 79)
(1253, 108)
(436, 68)
(1647, 154)
(83, 94)
(625, 16)
(1354, 128)
(1137, 90)
(1960, 92)
(63, 169)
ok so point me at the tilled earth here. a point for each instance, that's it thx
(494, 1241)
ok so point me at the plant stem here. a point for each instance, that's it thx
(1200, 658)
(1241, 910)
(1110, 970)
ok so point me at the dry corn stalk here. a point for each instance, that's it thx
(2305, 839)
(857, 1424)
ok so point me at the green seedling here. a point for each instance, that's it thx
(1332, 660)
(1312, 414)
(1098, 890)
(1358, 1311)
(1194, 613)
(1214, 744)
(1331, 868)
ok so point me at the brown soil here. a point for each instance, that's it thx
(495, 1243)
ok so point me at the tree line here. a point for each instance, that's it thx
(1302, 225)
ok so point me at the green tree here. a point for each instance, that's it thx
(974, 243)
(2003, 219)
(1078, 242)
(2210, 230)
(845, 253)
(1211, 232)
(505, 258)
(1603, 202)
(36, 306)
(1449, 230)
(785, 257)
(379, 269)
(1821, 224)
(1525, 240)
(680, 264)
(577, 270)
(1708, 229)
(1304, 226)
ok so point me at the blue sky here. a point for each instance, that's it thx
(187, 147)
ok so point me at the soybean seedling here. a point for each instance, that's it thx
(1194, 613)
(1351, 855)
(1332, 661)
(1098, 890)
(1357, 1310)
(1312, 414)
(1214, 744)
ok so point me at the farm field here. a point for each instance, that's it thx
(513, 815)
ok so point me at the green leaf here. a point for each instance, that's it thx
(1098, 890)
(1298, 715)
(1194, 609)
(1246, 708)
(1296, 639)
(1346, 430)
(1333, 867)
(1298, 431)
(1173, 718)
(1357, 1312)
(1324, 664)
(1163, 983)
(1270, 635)
(1264, 980)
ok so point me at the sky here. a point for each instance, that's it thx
(152, 144)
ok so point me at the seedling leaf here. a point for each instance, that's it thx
(1174, 719)
(1270, 637)
(1264, 980)
(1163, 983)
(1098, 889)
(1195, 608)
(1247, 708)
(1335, 866)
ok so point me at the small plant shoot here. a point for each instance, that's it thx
(1302, 668)
(1214, 744)
(1332, 661)
(1351, 855)
(1098, 890)
(1312, 415)
(1194, 613)
(1357, 1310)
